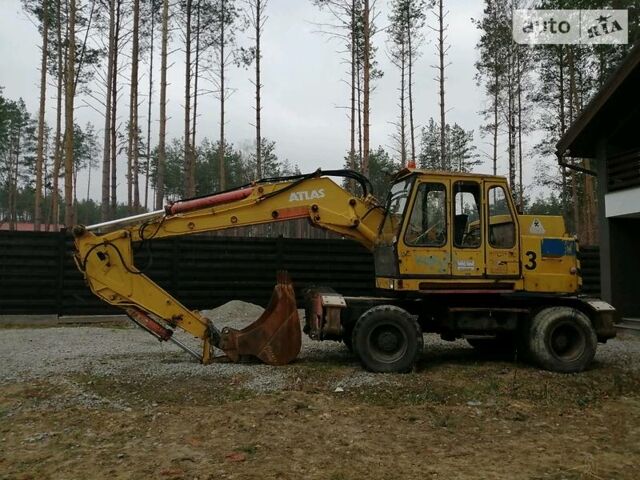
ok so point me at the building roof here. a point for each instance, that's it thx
(30, 227)
(610, 112)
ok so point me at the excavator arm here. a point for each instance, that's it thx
(104, 254)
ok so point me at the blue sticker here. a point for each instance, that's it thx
(557, 247)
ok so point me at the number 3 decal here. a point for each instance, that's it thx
(532, 260)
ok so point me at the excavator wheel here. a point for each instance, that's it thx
(387, 339)
(562, 339)
(275, 337)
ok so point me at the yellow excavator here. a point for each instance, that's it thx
(452, 256)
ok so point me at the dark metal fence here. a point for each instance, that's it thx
(590, 269)
(38, 274)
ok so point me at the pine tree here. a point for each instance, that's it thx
(490, 68)
(354, 25)
(69, 97)
(133, 188)
(225, 23)
(460, 152)
(442, 49)
(257, 20)
(44, 15)
(406, 20)
(160, 180)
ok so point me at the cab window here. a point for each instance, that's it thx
(427, 225)
(466, 220)
(502, 230)
(395, 207)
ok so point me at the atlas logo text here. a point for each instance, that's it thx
(306, 195)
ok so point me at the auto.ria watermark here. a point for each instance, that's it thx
(561, 27)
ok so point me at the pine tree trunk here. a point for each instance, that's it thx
(150, 101)
(412, 129)
(221, 169)
(352, 120)
(89, 177)
(13, 180)
(403, 134)
(69, 214)
(572, 115)
(114, 114)
(441, 67)
(359, 102)
(563, 127)
(588, 186)
(511, 122)
(196, 74)
(589, 190)
(83, 47)
(162, 154)
(75, 187)
(43, 95)
(86, 218)
(133, 109)
(519, 86)
(46, 179)
(366, 37)
(106, 154)
(495, 126)
(258, 32)
(188, 170)
(496, 99)
(57, 160)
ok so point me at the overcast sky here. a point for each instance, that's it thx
(303, 81)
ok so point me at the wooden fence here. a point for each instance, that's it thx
(38, 274)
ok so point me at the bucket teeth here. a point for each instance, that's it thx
(275, 337)
(282, 278)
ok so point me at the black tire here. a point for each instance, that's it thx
(500, 345)
(562, 339)
(387, 340)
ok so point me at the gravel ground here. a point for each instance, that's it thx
(114, 403)
(46, 353)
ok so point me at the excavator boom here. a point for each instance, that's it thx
(104, 254)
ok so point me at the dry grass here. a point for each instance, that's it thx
(458, 416)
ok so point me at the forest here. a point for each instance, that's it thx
(113, 56)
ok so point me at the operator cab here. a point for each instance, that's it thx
(441, 226)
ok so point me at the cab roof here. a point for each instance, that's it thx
(407, 171)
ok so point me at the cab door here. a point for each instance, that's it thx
(503, 259)
(424, 247)
(467, 239)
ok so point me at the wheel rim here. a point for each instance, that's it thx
(566, 341)
(387, 343)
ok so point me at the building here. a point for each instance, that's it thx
(29, 227)
(608, 131)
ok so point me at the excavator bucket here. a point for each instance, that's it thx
(275, 337)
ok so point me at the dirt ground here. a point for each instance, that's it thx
(458, 416)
